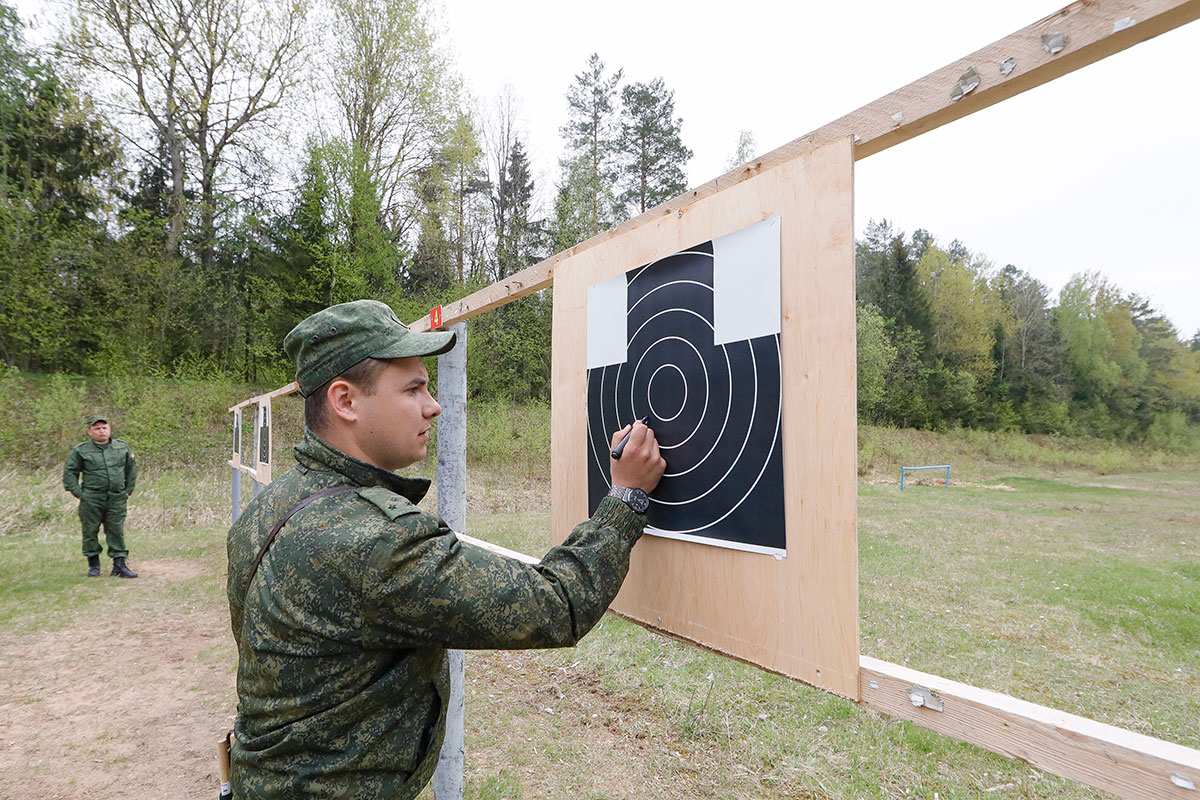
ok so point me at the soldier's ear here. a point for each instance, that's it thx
(341, 396)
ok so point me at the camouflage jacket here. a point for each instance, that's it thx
(107, 469)
(342, 678)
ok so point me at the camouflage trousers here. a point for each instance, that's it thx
(108, 511)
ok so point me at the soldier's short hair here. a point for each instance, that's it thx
(365, 375)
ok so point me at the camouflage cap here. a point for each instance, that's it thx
(94, 418)
(332, 341)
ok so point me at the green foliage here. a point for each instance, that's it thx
(516, 438)
(167, 421)
(55, 150)
(960, 318)
(397, 94)
(1084, 304)
(983, 348)
(1039, 415)
(581, 197)
(181, 265)
(589, 168)
(508, 351)
(652, 153)
(455, 190)
(57, 160)
(1170, 430)
(887, 277)
(875, 355)
(517, 232)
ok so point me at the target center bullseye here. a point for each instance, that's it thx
(667, 392)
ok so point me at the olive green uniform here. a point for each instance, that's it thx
(109, 473)
(342, 677)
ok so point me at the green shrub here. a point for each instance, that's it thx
(1170, 431)
(503, 434)
(1039, 415)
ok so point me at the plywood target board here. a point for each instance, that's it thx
(730, 325)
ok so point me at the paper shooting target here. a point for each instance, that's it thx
(692, 342)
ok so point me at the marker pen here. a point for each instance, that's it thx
(620, 448)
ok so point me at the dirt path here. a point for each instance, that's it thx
(88, 713)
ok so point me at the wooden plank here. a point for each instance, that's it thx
(271, 395)
(926, 104)
(1116, 760)
(262, 468)
(261, 471)
(497, 549)
(798, 615)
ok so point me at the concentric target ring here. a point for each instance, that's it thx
(716, 409)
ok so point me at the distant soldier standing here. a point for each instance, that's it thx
(109, 474)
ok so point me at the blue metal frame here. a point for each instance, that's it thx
(938, 466)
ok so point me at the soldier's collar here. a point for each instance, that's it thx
(316, 453)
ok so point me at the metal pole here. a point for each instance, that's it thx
(452, 507)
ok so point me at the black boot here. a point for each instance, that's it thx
(93, 566)
(119, 569)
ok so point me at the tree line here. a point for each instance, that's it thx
(947, 339)
(180, 182)
(164, 213)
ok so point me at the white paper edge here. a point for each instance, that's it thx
(779, 553)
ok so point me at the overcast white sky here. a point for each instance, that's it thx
(1098, 170)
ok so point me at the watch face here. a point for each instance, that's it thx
(636, 499)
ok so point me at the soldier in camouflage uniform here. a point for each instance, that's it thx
(343, 627)
(109, 473)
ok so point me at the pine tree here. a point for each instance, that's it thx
(887, 276)
(462, 166)
(590, 132)
(511, 202)
(651, 148)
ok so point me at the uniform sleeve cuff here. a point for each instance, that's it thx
(616, 514)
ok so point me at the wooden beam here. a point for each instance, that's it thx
(1094, 29)
(271, 395)
(497, 549)
(1116, 760)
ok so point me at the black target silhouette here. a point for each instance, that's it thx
(715, 409)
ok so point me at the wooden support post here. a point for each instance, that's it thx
(236, 464)
(452, 507)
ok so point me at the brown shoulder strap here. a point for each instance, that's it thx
(312, 498)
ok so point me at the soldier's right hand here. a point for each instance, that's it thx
(640, 465)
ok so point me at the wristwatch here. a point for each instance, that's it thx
(636, 499)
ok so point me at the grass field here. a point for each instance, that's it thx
(1065, 575)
